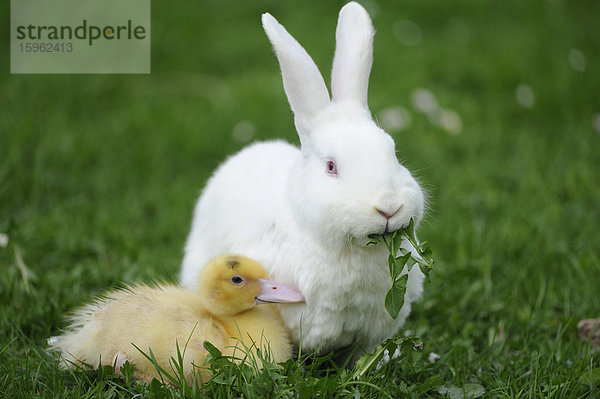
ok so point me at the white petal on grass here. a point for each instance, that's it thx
(384, 359)
(3, 240)
(577, 60)
(433, 357)
(394, 119)
(424, 101)
(450, 121)
(524, 95)
(243, 132)
(596, 123)
(408, 33)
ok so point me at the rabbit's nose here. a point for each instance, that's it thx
(388, 214)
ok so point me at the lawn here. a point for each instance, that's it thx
(494, 105)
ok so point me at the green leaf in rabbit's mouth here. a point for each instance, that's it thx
(398, 258)
(374, 239)
(378, 238)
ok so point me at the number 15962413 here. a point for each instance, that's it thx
(32, 47)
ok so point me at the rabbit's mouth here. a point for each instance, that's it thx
(377, 237)
(374, 239)
(382, 236)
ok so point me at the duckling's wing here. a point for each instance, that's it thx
(78, 344)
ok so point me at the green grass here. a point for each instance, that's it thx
(99, 175)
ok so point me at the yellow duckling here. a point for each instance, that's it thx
(223, 311)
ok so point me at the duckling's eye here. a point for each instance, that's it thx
(237, 280)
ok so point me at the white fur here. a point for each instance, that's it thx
(302, 81)
(353, 55)
(277, 204)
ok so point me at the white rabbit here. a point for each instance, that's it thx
(306, 213)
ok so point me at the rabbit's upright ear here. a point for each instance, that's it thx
(302, 81)
(353, 55)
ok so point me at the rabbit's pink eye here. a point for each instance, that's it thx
(331, 168)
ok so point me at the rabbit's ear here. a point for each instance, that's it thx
(302, 81)
(353, 55)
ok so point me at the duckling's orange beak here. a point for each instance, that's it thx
(272, 291)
